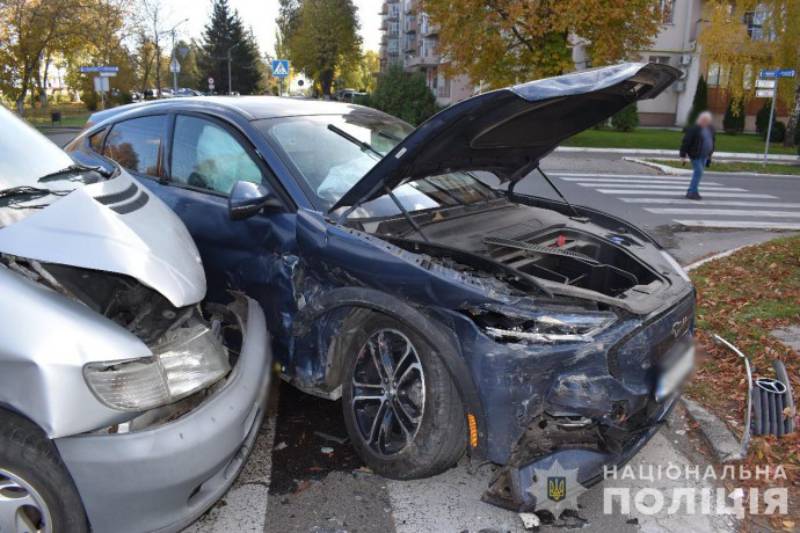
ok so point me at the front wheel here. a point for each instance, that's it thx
(36, 491)
(401, 407)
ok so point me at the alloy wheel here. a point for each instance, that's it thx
(22, 508)
(388, 392)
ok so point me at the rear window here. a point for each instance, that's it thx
(136, 144)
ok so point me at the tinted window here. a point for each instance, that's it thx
(207, 156)
(135, 144)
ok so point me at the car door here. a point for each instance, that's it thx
(199, 159)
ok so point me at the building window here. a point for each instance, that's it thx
(713, 75)
(667, 10)
(756, 21)
(662, 60)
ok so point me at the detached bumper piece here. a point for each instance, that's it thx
(163, 477)
(577, 443)
(771, 400)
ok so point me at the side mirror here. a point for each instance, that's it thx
(248, 198)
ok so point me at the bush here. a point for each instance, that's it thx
(733, 122)
(404, 94)
(626, 120)
(762, 119)
(778, 133)
(700, 102)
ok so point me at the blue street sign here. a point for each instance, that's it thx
(777, 73)
(280, 68)
(86, 70)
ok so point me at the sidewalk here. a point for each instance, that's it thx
(743, 156)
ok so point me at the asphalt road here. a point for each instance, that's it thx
(304, 476)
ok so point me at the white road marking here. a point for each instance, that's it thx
(722, 212)
(722, 203)
(652, 179)
(588, 175)
(739, 224)
(603, 181)
(677, 187)
(673, 193)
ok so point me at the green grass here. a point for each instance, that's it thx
(72, 115)
(645, 138)
(769, 168)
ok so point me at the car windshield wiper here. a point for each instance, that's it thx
(366, 147)
(73, 169)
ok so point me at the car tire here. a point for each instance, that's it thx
(32, 473)
(433, 437)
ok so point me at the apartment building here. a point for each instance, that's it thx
(409, 39)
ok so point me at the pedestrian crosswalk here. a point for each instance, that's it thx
(723, 206)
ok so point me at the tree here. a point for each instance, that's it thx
(287, 22)
(627, 119)
(700, 102)
(361, 75)
(733, 121)
(325, 39)
(505, 41)
(403, 94)
(225, 35)
(741, 53)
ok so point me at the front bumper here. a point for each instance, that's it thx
(164, 478)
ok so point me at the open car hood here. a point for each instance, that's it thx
(508, 131)
(114, 226)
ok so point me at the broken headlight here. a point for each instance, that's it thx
(188, 360)
(547, 327)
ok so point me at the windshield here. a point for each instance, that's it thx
(31, 168)
(331, 153)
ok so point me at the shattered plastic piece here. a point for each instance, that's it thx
(327, 450)
(281, 446)
(530, 521)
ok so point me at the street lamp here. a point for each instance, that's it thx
(174, 55)
(230, 84)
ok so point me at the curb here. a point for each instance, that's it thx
(725, 445)
(672, 153)
(672, 171)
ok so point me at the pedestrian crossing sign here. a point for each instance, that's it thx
(280, 68)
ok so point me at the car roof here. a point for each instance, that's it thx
(251, 107)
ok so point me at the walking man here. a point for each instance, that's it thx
(698, 144)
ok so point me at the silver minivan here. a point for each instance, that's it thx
(127, 402)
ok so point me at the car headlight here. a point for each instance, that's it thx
(546, 327)
(190, 359)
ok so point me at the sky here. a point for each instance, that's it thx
(260, 15)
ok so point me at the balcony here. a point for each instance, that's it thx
(411, 25)
(418, 61)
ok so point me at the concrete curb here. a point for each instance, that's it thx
(672, 153)
(672, 171)
(726, 253)
(722, 441)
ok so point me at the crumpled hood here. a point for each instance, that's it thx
(115, 226)
(508, 131)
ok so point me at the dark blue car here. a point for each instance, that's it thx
(447, 315)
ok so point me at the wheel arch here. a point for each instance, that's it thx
(356, 301)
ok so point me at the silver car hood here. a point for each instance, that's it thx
(115, 226)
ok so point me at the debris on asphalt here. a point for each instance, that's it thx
(327, 450)
(530, 521)
(632, 521)
(280, 446)
(332, 438)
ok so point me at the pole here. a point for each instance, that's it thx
(769, 127)
(230, 85)
(174, 58)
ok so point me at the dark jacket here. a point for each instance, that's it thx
(692, 144)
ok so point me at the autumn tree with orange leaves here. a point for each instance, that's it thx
(501, 42)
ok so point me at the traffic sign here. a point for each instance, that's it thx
(765, 93)
(108, 74)
(101, 84)
(778, 73)
(280, 68)
(175, 66)
(86, 70)
(765, 84)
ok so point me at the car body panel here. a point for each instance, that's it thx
(114, 226)
(174, 472)
(47, 340)
(508, 131)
